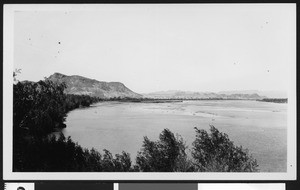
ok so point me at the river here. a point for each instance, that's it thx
(261, 127)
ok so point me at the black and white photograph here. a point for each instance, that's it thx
(150, 91)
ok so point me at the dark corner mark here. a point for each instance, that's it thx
(73, 185)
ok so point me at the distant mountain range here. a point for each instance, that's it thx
(85, 86)
(176, 94)
(269, 93)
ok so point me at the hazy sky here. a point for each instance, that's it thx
(161, 47)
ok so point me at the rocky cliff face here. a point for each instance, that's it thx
(85, 86)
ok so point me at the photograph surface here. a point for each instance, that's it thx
(150, 91)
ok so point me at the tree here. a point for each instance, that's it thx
(164, 155)
(38, 107)
(121, 162)
(215, 152)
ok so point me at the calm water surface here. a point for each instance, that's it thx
(261, 127)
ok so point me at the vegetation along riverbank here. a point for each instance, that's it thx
(40, 108)
(275, 100)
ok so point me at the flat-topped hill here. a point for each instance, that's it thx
(84, 86)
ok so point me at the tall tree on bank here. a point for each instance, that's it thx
(215, 152)
(38, 108)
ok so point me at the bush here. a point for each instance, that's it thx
(38, 107)
(122, 163)
(63, 155)
(211, 152)
(214, 152)
(166, 155)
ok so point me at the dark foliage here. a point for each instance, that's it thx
(41, 107)
(77, 101)
(275, 100)
(63, 155)
(38, 109)
(214, 152)
(166, 155)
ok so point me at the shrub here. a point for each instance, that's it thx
(165, 155)
(38, 107)
(214, 152)
(121, 162)
(63, 155)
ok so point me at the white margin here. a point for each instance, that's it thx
(116, 186)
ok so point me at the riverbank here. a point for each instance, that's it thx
(151, 101)
(275, 100)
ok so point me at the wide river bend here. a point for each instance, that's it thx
(261, 127)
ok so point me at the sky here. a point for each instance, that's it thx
(190, 47)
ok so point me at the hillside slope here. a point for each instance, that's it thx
(85, 86)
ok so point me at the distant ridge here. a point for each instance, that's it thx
(176, 94)
(84, 86)
(268, 93)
